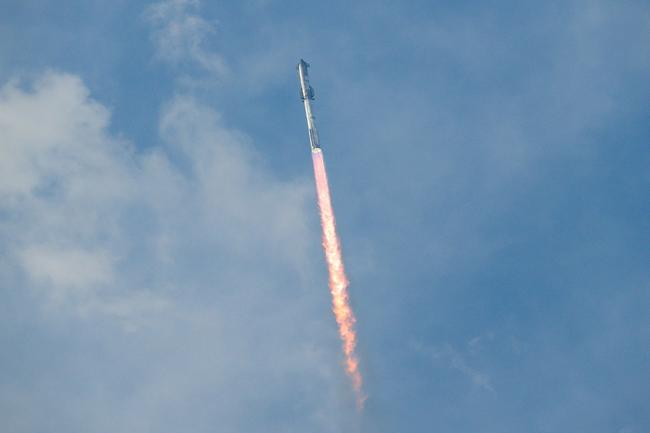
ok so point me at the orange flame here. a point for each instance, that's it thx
(338, 282)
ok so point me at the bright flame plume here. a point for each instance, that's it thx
(338, 282)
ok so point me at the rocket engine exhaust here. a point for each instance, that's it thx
(338, 281)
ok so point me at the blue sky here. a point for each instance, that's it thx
(161, 265)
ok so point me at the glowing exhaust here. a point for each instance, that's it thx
(338, 282)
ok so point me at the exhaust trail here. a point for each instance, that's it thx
(338, 281)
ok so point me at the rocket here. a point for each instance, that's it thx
(307, 95)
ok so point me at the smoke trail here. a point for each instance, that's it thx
(338, 282)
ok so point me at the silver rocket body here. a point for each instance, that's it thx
(307, 95)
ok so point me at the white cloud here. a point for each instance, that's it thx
(78, 193)
(232, 186)
(182, 37)
(65, 182)
(51, 130)
(73, 268)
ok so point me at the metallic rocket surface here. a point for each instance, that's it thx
(307, 95)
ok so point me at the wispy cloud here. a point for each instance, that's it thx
(455, 359)
(182, 37)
